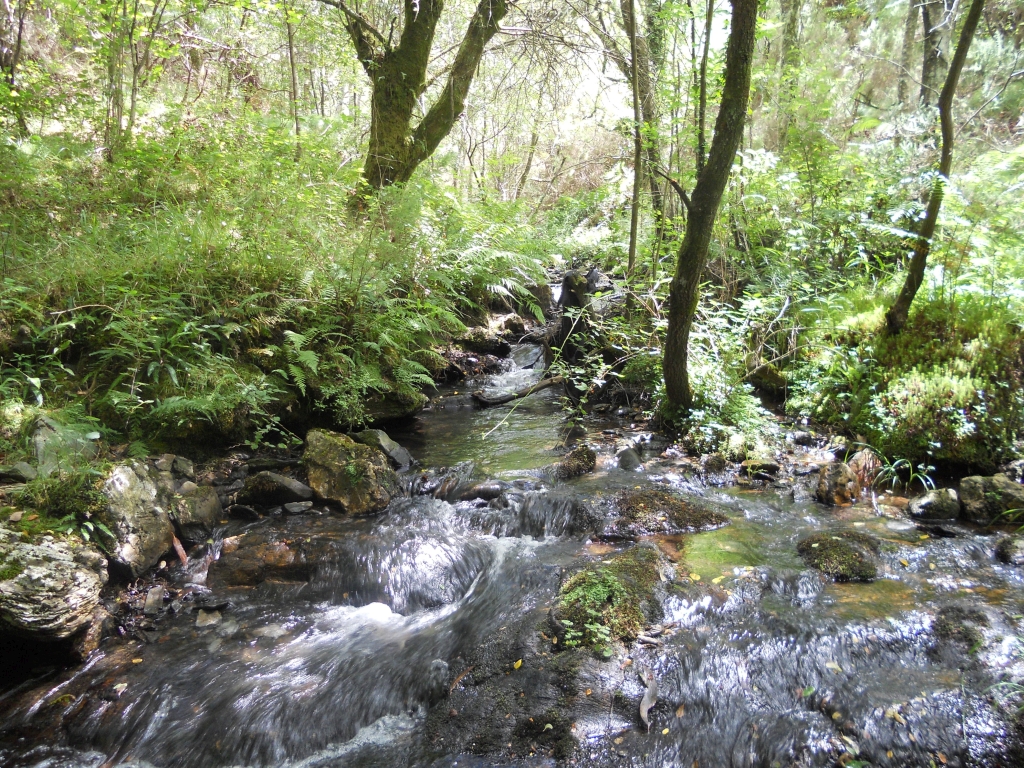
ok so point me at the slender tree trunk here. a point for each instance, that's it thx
(896, 317)
(906, 53)
(634, 216)
(525, 175)
(707, 196)
(938, 26)
(790, 66)
(293, 93)
(702, 105)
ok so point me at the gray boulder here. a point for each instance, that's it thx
(136, 515)
(1011, 550)
(378, 438)
(196, 512)
(55, 444)
(269, 489)
(838, 485)
(983, 499)
(629, 460)
(19, 472)
(940, 504)
(49, 590)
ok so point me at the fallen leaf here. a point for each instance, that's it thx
(931, 566)
(808, 691)
(717, 580)
(664, 731)
(925, 536)
(548, 727)
(904, 563)
(680, 710)
(518, 664)
(136, 661)
(587, 692)
(554, 641)
(619, 740)
(695, 576)
(30, 518)
(837, 715)
(834, 667)
(942, 758)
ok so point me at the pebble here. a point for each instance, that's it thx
(208, 618)
(298, 507)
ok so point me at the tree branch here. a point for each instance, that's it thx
(675, 185)
(359, 27)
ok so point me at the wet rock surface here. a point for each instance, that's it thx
(941, 504)
(838, 485)
(481, 620)
(986, 499)
(579, 461)
(645, 513)
(841, 555)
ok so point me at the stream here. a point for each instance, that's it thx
(422, 637)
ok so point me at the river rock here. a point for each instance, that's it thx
(378, 438)
(196, 512)
(714, 463)
(841, 555)
(389, 407)
(939, 504)
(298, 507)
(1014, 470)
(49, 590)
(356, 476)
(803, 437)
(579, 461)
(543, 297)
(646, 513)
(838, 485)
(488, 490)
(754, 467)
(865, 465)
(983, 499)
(269, 489)
(19, 472)
(481, 341)
(629, 460)
(154, 601)
(1010, 549)
(136, 515)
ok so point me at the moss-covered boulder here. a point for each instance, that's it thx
(196, 511)
(391, 407)
(610, 600)
(841, 555)
(356, 476)
(645, 513)
(985, 499)
(959, 625)
(579, 461)
(1010, 550)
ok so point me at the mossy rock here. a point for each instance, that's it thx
(579, 461)
(957, 624)
(843, 555)
(391, 407)
(611, 600)
(356, 476)
(1010, 550)
(645, 513)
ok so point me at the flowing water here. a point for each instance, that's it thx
(421, 636)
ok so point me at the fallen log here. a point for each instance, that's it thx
(508, 397)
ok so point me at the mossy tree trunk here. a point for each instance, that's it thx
(896, 317)
(702, 207)
(398, 76)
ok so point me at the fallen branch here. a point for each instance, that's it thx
(487, 400)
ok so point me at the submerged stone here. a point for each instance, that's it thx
(645, 513)
(842, 555)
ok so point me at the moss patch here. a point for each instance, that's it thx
(644, 513)
(844, 555)
(612, 600)
(551, 730)
(579, 461)
(954, 624)
(11, 569)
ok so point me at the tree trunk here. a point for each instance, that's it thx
(703, 205)
(702, 102)
(293, 93)
(398, 79)
(909, 29)
(634, 215)
(938, 26)
(790, 64)
(896, 317)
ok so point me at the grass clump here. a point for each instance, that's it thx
(643, 513)
(609, 601)
(843, 556)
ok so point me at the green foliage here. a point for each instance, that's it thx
(207, 287)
